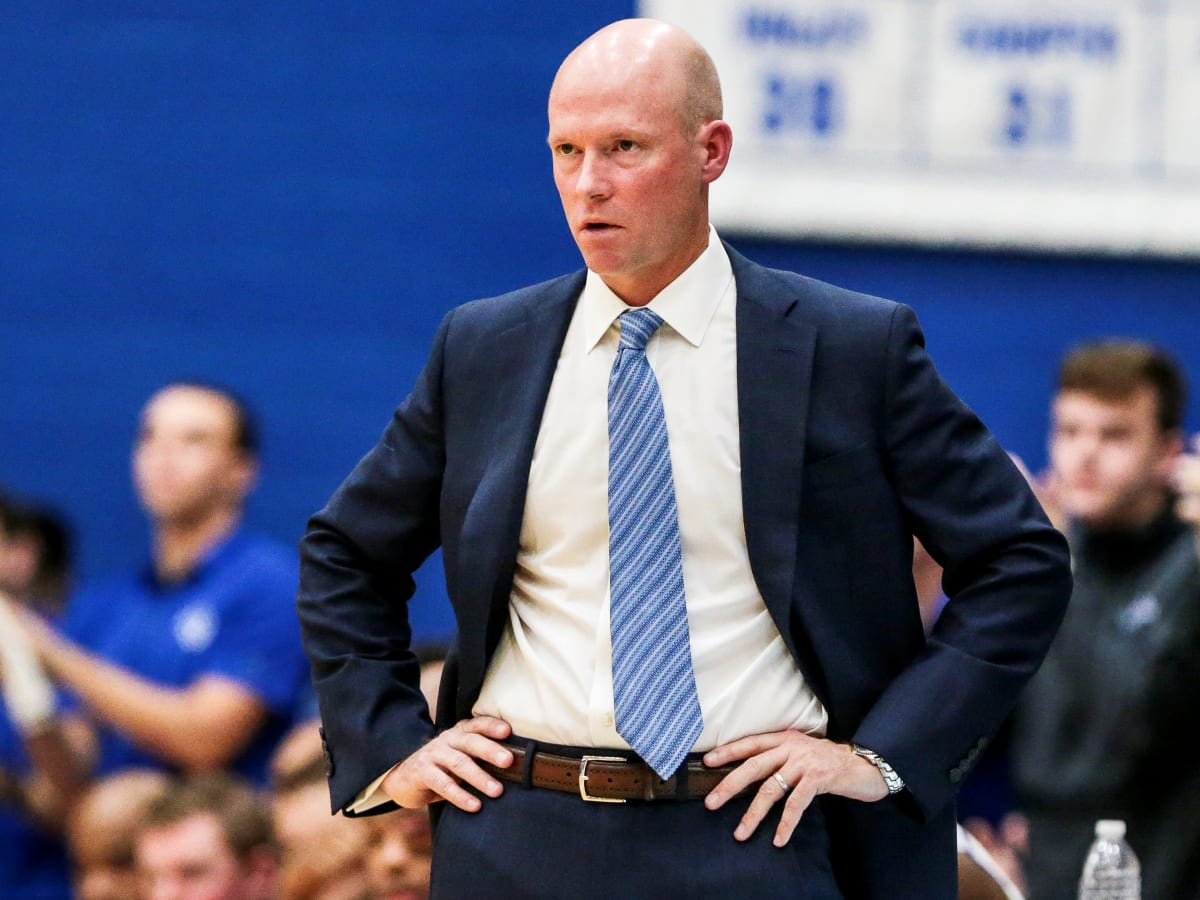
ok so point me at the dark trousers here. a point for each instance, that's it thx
(536, 843)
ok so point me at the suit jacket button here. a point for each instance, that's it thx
(956, 775)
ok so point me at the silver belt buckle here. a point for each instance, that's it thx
(583, 777)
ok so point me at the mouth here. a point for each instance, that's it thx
(598, 227)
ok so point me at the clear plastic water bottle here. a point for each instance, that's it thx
(1111, 872)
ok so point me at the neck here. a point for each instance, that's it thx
(1136, 517)
(1120, 549)
(179, 546)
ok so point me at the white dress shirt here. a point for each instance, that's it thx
(551, 675)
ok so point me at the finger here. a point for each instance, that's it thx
(446, 779)
(441, 768)
(445, 773)
(479, 746)
(747, 774)
(460, 755)
(490, 726)
(743, 748)
(768, 794)
(1188, 509)
(1186, 480)
(798, 800)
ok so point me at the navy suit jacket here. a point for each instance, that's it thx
(850, 444)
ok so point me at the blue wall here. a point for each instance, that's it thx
(287, 196)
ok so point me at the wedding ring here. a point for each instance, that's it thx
(779, 779)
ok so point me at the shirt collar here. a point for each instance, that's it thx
(687, 304)
(224, 547)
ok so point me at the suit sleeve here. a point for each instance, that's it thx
(358, 556)
(1007, 575)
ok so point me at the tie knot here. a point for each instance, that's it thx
(636, 327)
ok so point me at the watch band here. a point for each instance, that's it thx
(895, 784)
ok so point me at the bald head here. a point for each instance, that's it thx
(113, 805)
(650, 52)
(636, 139)
(101, 832)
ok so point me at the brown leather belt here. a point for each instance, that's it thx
(607, 779)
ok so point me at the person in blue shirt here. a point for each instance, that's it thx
(195, 662)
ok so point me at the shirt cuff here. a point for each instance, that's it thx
(372, 795)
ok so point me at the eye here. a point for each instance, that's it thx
(565, 149)
(626, 145)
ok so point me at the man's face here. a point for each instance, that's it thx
(1110, 458)
(400, 855)
(189, 860)
(100, 834)
(20, 553)
(185, 461)
(631, 182)
(323, 855)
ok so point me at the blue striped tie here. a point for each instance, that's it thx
(654, 688)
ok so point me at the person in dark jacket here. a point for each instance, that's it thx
(1107, 728)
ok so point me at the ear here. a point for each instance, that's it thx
(716, 140)
(245, 475)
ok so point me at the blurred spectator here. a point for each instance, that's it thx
(194, 663)
(980, 876)
(399, 855)
(101, 832)
(323, 855)
(1107, 728)
(41, 757)
(327, 857)
(207, 837)
(35, 556)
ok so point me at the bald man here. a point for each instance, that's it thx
(101, 831)
(676, 494)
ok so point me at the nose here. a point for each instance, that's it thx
(593, 182)
(395, 854)
(162, 889)
(1087, 445)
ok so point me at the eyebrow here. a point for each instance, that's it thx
(620, 134)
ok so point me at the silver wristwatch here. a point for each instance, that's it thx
(895, 784)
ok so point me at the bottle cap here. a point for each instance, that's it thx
(1110, 829)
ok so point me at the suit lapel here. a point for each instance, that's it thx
(774, 364)
(522, 358)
